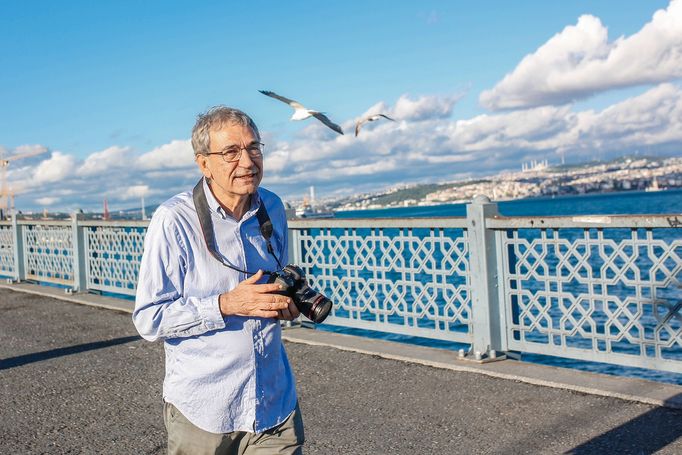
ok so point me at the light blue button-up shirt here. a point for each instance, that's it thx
(223, 373)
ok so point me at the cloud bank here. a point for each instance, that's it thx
(580, 61)
(433, 148)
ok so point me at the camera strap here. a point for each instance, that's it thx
(266, 229)
(204, 215)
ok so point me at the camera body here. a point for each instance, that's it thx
(312, 304)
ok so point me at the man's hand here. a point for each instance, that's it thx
(252, 299)
(290, 313)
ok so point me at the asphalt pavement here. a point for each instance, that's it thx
(77, 379)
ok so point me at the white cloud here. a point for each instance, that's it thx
(653, 118)
(441, 148)
(433, 149)
(106, 161)
(135, 191)
(580, 61)
(106, 173)
(55, 169)
(173, 174)
(30, 149)
(47, 200)
(277, 160)
(424, 107)
(176, 154)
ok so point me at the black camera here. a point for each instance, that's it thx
(309, 302)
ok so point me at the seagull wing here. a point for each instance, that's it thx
(370, 118)
(323, 118)
(292, 103)
(358, 125)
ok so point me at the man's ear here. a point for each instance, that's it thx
(202, 162)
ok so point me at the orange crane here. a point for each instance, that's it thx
(5, 193)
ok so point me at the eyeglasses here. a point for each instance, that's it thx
(234, 153)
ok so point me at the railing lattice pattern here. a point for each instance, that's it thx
(596, 293)
(49, 253)
(399, 280)
(113, 255)
(7, 266)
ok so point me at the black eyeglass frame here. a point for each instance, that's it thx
(238, 154)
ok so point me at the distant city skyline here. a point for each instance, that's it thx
(110, 91)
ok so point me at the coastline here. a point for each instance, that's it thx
(532, 199)
(624, 175)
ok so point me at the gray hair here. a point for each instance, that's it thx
(215, 118)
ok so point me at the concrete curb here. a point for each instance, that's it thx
(629, 389)
(82, 298)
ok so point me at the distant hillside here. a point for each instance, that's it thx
(622, 174)
(417, 192)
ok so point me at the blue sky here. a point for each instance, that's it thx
(111, 89)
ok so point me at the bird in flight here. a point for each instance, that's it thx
(302, 113)
(369, 118)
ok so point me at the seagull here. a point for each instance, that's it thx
(370, 118)
(302, 113)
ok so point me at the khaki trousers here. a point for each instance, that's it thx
(184, 438)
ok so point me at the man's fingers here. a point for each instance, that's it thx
(290, 313)
(285, 314)
(267, 288)
(254, 278)
(293, 310)
(267, 314)
(279, 303)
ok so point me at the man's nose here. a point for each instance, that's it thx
(245, 159)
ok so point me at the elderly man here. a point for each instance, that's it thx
(228, 386)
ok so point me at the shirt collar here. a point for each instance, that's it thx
(215, 206)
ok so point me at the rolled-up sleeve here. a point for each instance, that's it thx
(161, 309)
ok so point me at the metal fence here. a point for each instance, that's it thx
(80, 255)
(403, 276)
(599, 288)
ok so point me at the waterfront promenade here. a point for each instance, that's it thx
(77, 379)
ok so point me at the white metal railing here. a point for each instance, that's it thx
(404, 276)
(82, 255)
(601, 288)
(596, 288)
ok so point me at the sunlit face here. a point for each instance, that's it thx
(232, 183)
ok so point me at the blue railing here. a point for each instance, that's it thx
(597, 288)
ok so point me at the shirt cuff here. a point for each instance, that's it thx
(209, 310)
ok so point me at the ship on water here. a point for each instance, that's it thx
(309, 209)
(653, 187)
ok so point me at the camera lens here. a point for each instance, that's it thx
(312, 304)
(320, 310)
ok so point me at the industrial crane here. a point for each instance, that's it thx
(5, 193)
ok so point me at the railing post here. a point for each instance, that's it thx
(79, 273)
(294, 241)
(485, 301)
(19, 269)
(291, 243)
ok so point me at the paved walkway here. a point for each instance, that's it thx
(77, 379)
